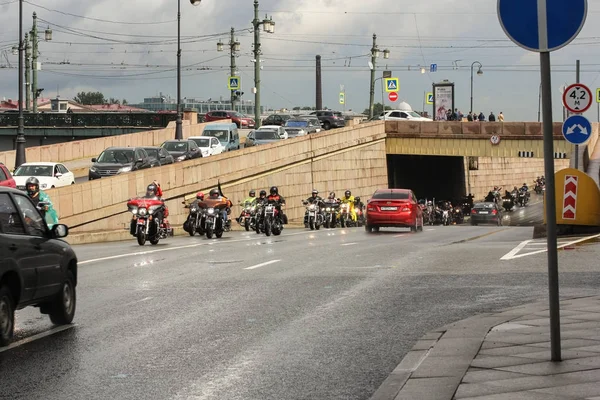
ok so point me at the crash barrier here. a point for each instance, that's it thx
(348, 158)
(577, 199)
(88, 148)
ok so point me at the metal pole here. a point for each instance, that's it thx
(232, 65)
(472, 65)
(34, 57)
(27, 73)
(319, 87)
(372, 91)
(382, 100)
(577, 65)
(20, 141)
(550, 200)
(539, 102)
(256, 25)
(178, 122)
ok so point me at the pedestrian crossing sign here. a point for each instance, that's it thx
(392, 85)
(429, 98)
(234, 83)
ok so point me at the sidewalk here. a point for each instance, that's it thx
(504, 356)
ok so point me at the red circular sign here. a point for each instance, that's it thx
(577, 98)
(393, 96)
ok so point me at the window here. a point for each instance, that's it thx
(3, 176)
(193, 145)
(63, 106)
(34, 170)
(395, 114)
(116, 156)
(391, 195)
(62, 169)
(34, 222)
(403, 115)
(10, 221)
(214, 142)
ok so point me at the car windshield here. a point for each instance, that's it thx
(221, 134)
(34, 170)
(175, 146)
(202, 142)
(484, 205)
(296, 124)
(152, 152)
(338, 114)
(391, 195)
(116, 156)
(262, 135)
(238, 115)
(413, 114)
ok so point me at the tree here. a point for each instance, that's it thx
(90, 98)
(307, 108)
(112, 100)
(124, 102)
(296, 108)
(377, 109)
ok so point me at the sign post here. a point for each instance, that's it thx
(543, 26)
(598, 102)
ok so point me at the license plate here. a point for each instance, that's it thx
(389, 208)
(483, 212)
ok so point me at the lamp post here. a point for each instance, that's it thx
(269, 27)
(20, 140)
(34, 43)
(234, 48)
(372, 65)
(179, 122)
(479, 72)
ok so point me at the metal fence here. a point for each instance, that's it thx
(89, 119)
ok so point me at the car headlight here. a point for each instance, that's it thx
(43, 185)
(210, 211)
(124, 169)
(142, 211)
(301, 132)
(181, 158)
(93, 169)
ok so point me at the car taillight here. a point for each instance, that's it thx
(371, 208)
(494, 212)
(473, 211)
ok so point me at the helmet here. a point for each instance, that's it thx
(34, 184)
(151, 190)
(524, 184)
(252, 193)
(332, 195)
(200, 196)
(263, 193)
(315, 192)
(357, 199)
(495, 187)
(274, 190)
(347, 193)
(214, 193)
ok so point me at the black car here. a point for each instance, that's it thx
(486, 213)
(118, 160)
(160, 154)
(182, 150)
(276, 119)
(36, 268)
(330, 119)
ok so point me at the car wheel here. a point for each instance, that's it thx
(62, 308)
(473, 223)
(368, 228)
(52, 187)
(72, 183)
(327, 125)
(7, 316)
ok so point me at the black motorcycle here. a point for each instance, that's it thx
(522, 198)
(331, 211)
(214, 223)
(195, 220)
(508, 202)
(458, 216)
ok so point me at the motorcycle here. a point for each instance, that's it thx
(360, 215)
(523, 198)
(147, 225)
(457, 215)
(331, 210)
(508, 202)
(539, 187)
(446, 217)
(467, 205)
(214, 223)
(314, 217)
(271, 220)
(195, 220)
(248, 217)
(344, 216)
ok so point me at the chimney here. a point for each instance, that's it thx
(319, 100)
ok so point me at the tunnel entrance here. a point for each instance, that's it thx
(442, 177)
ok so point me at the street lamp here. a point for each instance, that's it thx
(234, 48)
(479, 72)
(269, 27)
(374, 56)
(179, 122)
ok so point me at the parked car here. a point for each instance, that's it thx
(281, 131)
(314, 121)
(51, 175)
(396, 208)
(6, 178)
(486, 213)
(209, 145)
(401, 115)
(160, 154)
(37, 269)
(330, 119)
(239, 119)
(264, 136)
(227, 134)
(118, 160)
(276, 119)
(301, 126)
(182, 150)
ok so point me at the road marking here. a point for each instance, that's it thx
(36, 337)
(138, 301)
(263, 264)
(478, 237)
(348, 244)
(513, 254)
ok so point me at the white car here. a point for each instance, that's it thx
(402, 115)
(51, 175)
(209, 145)
(279, 129)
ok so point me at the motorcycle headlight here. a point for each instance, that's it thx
(328, 209)
(193, 209)
(124, 169)
(134, 210)
(210, 211)
(252, 208)
(311, 207)
(248, 209)
(142, 211)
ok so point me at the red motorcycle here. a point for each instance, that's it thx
(149, 220)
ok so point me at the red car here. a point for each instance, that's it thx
(239, 119)
(394, 208)
(6, 178)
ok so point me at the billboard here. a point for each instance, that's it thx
(443, 100)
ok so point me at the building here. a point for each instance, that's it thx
(167, 103)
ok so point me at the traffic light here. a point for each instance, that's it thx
(237, 94)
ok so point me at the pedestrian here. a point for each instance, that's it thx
(492, 117)
(470, 116)
(481, 117)
(500, 117)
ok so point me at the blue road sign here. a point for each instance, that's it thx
(577, 129)
(542, 25)
(433, 68)
(233, 83)
(392, 85)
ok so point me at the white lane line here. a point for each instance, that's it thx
(138, 301)
(263, 264)
(37, 337)
(512, 254)
(514, 251)
(349, 244)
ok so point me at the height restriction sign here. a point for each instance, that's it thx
(577, 98)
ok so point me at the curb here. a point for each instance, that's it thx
(435, 366)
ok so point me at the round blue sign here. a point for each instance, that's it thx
(542, 25)
(577, 129)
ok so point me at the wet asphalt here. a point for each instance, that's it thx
(306, 315)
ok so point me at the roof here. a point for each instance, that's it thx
(50, 164)
(201, 137)
(116, 108)
(220, 125)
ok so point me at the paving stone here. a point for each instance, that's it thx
(588, 348)
(520, 339)
(525, 395)
(495, 344)
(432, 336)
(489, 375)
(509, 351)
(569, 343)
(456, 346)
(566, 355)
(450, 366)
(424, 345)
(429, 388)
(578, 390)
(551, 368)
(412, 360)
(478, 389)
(528, 320)
(483, 361)
(510, 326)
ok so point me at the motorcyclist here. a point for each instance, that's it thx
(278, 200)
(153, 191)
(333, 203)
(524, 188)
(223, 203)
(260, 202)
(313, 199)
(37, 196)
(349, 199)
(248, 202)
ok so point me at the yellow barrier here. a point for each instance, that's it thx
(577, 198)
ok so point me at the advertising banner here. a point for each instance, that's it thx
(443, 100)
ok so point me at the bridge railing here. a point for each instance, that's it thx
(154, 120)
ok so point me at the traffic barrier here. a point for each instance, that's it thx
(577, 198)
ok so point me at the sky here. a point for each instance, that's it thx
(127, 50)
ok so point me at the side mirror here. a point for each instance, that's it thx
(140, 160)
(94, 159)
(59, 231)
(58, 175)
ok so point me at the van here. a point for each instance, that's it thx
(226, 133)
